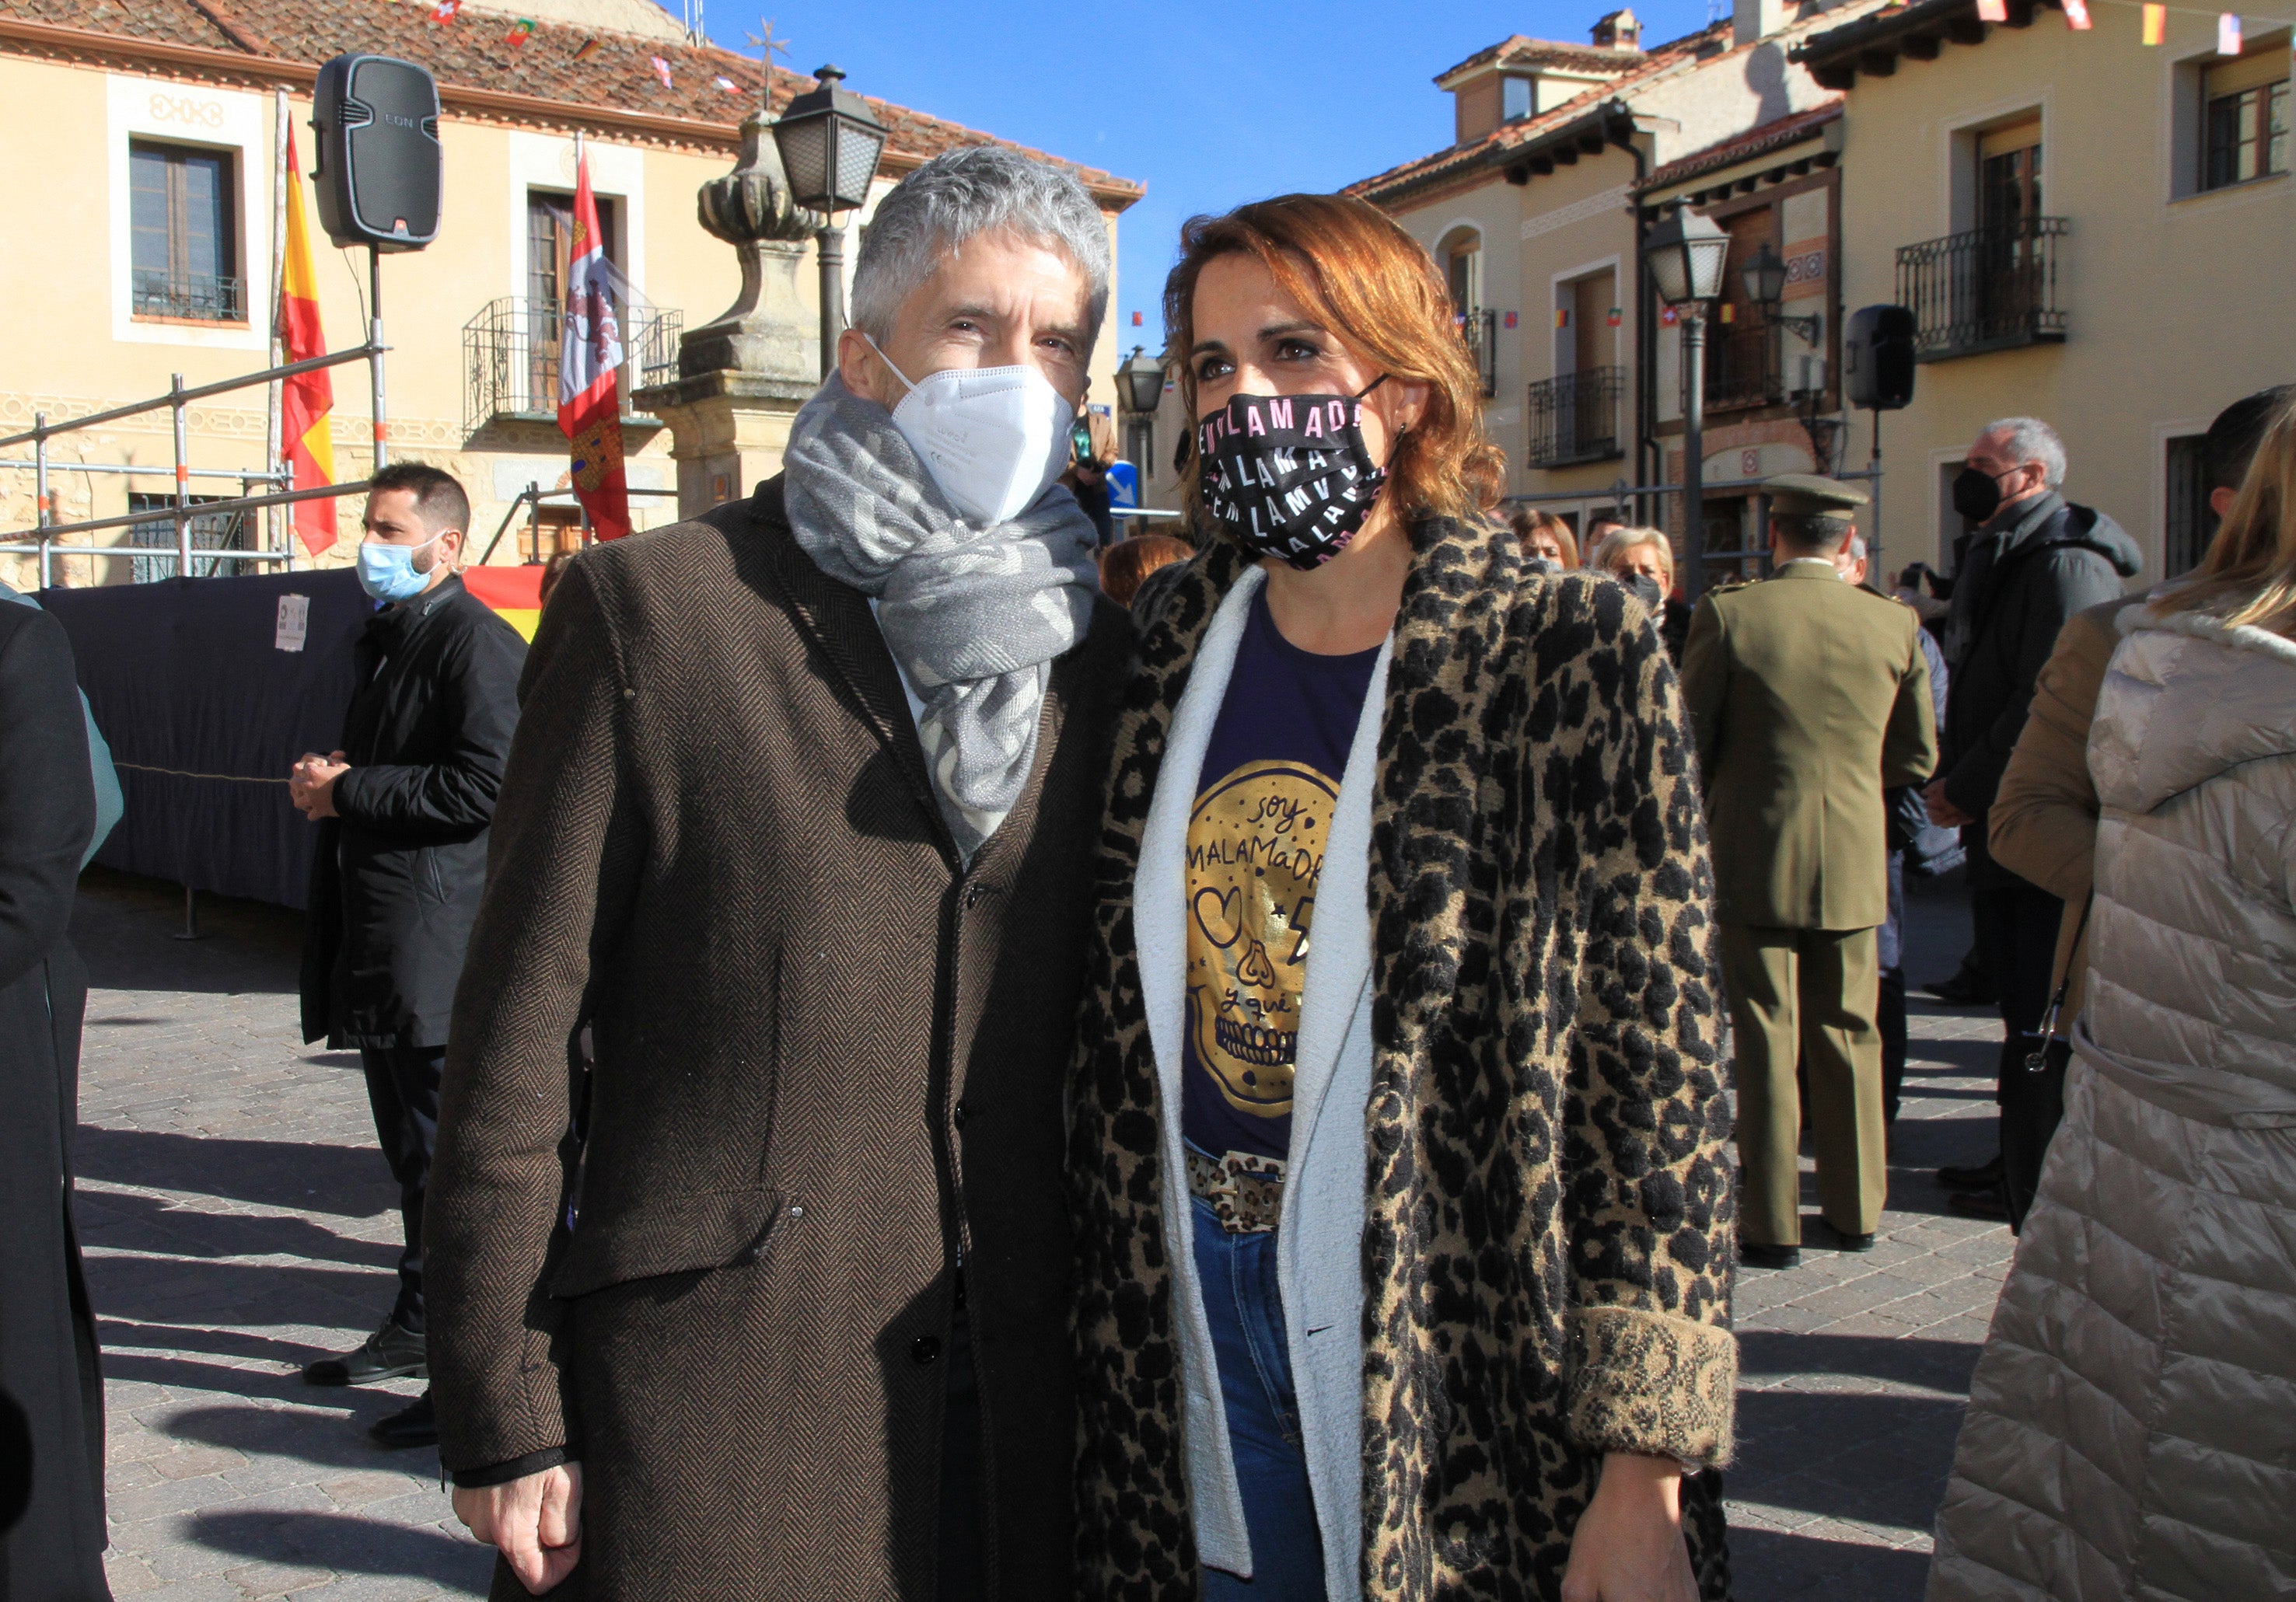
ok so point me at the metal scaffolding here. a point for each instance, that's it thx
(184, 511)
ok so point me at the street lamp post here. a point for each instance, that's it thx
(1139, 391)
(1140, 381)
(1764, 278)
(830, 143)
(1687, 253)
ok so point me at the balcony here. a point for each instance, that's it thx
(1989, 289)
(1574, 416)
(1480, 330)
(1741, 365)
(186, 297)
(509, 358)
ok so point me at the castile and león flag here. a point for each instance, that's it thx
(589, 370)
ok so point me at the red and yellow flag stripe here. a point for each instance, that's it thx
(307, 447)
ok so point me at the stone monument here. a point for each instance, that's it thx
(742, 376)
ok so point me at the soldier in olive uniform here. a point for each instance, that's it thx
(1809, 696)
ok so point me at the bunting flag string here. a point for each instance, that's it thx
(2076, 15)
(586, 49)
(2156, 23)
(2229, 34)
(728, 86)
(661, 72)
(1992, 10)
(520, 33)
(446, 11)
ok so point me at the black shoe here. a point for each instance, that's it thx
(1983, 1176)
(1843, 1241)
(1969, 987)
(413, 1425)
(1986, 1205)
(1752, 1254)
(393, 1352)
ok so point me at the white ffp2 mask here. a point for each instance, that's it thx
(992, 437)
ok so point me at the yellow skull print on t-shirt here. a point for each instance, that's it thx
(1255, 851)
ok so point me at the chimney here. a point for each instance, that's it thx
(1621, 31)
(1753, 19)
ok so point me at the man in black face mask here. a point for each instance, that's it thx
(2033, 560)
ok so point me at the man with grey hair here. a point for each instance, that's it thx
(2033, 560)
(769, 1299)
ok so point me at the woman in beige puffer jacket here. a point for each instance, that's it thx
(2132, 1422)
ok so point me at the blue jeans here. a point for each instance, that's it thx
(1246, 1312)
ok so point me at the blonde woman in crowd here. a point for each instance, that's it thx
(1643, 560)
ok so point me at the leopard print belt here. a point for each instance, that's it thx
(1244, 1189)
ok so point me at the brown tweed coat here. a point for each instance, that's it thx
(828, 1059)
(1548, 1241)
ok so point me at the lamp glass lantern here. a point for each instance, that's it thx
(1140, 381)
(1687, 254)
(1764, 278)
(830, 143)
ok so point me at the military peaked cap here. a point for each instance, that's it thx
(1812, 495)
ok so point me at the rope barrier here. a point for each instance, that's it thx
(138, 767)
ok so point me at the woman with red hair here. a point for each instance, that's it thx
(1403, 1260)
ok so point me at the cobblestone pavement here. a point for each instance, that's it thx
(238, 1219)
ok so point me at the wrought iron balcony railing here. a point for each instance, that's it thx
(1989, 289)
(1574, 416)
(1480, 330)
(192, 296)
(509, 358)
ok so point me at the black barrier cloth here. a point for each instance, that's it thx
(206, 712)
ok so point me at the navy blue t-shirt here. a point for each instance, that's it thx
(1264, 803)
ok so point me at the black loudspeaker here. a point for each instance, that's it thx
(1877, 357)
(378, 179)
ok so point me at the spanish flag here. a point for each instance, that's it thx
(514, 593)
(306, 399)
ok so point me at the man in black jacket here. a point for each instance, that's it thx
(2034, 559)
(403, 810)
(50, 1388)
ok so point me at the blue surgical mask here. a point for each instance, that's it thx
(388, 572)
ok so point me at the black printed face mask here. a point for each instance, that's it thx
(1287, 475)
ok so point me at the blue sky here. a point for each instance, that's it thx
(1209, 104)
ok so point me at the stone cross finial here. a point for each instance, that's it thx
(767, 48)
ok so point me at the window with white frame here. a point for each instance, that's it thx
(183, 233)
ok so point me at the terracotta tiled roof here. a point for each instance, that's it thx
(1745, 147)
(472, 52)
(173, 22)
(1494, 148)
(1519, 50)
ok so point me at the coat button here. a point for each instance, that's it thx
(972, 897)
(925, 1350)
(957, 1113)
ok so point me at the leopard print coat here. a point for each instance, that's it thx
(1548, 1246)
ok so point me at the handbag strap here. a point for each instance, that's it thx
(2065, 985)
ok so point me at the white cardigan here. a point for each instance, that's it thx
(1318, 1247)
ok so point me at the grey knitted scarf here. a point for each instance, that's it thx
(973, 615)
